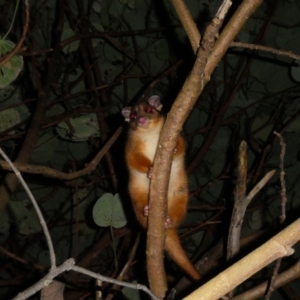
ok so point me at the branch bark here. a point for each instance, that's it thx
(278, 246)
(208, 56)
(188, 23)
(17, 48)
(52, 173)
(282, 279)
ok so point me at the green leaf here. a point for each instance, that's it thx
(98, 27)
(81, 128)
(45, 148)
(67, 33)
(108, 211)
(295, 72)
(6, 93)
(118, 215)
(131, 4)
(102, 210)
(9, 118)
(5, 222)
(256, 221)
(260, 122)
(97, 6)
(27, 221)
(11, 69)
(162, 50)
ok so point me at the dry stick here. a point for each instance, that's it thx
(115, 281)
(260, 185)
(161, 174)
(273, 279)
(278, 246)
(240, 205)
(252, 194)
(233, 27)
(259, 291)
(46, 171)
(265, 49)
(68, 264)
(282, 181)
(284, 278)
(183, 104)
(188, 23)
(207, 60)
(283, 211)
(46, 280)
(37, 209)
(99, 295)
(21, 260)
(127, 265)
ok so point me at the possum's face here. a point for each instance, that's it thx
(145, 115)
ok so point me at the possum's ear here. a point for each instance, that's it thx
(126, 111)
(155, 101)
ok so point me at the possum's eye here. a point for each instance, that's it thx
(149, 109)
(133, 116)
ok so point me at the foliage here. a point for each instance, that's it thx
(108, 211)
(10, 70)
(81, 129)
(104, 55)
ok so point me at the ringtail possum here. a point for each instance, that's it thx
(145, 124)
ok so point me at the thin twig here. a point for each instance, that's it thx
(127, 265)
(46, 171)
(259, 186)
(115, 281)
(282, 182)
(20, 259)
(7, 57)
(37, 209)
(46, 280)
(265, 49)
(283, 212)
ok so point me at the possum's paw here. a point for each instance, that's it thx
(146, 211)
(168, 222)
(149, 174)
(175, 150)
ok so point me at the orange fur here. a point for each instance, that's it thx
(145, 127)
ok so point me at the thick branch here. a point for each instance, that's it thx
(188, 23)
(181, 108)
(282, 279)
(279, 246)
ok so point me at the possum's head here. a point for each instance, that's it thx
(145, 115)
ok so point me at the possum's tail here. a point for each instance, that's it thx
(176, 252)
